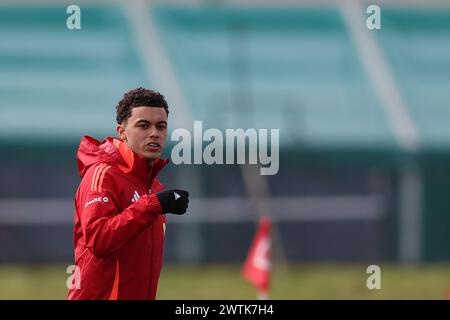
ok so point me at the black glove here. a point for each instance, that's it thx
(173, 201)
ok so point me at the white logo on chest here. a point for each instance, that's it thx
(136, 196)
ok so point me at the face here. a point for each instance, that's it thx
(145, 131)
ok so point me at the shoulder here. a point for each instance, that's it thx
(100, 177)
(100, 180)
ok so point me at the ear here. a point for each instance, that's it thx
(121, 132)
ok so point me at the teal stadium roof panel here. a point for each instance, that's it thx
(296, 70)
(59, 84)
(416, 44)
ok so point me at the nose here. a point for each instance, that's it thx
(154, 132)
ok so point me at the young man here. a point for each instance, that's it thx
(120, 204)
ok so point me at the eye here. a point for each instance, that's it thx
(161, 126)
(144, 126)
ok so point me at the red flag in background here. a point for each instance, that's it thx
(258, 263)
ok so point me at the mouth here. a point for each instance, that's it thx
(153, 146)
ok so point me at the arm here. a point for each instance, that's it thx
(106, 229)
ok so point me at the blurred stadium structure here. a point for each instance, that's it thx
(363, 117)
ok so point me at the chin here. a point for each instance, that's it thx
(151, 156)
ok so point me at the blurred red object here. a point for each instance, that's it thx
(258, 263)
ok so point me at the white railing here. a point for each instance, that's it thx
(219, 210)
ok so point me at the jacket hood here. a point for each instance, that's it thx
(114, 152)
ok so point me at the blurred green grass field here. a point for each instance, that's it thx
(312, 281)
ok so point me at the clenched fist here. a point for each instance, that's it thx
(174, 201)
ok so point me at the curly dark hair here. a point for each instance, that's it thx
(137, 98)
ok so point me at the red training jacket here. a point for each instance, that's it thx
(119, 226)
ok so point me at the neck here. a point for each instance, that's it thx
(150, 163)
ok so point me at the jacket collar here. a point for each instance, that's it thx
(136, 164)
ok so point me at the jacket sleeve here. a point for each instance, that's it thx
(105, 228)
